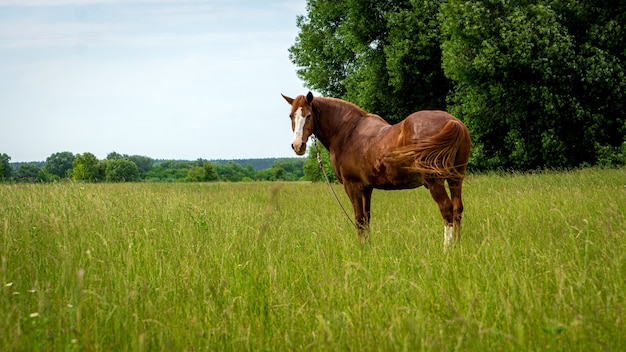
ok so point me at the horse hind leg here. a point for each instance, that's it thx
(457, 206)
(456, 185)
(438, 193)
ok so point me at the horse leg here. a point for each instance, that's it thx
(358, 196)
(367, 201)
(457, 206)
(438, 192)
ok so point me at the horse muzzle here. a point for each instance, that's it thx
(300, 148)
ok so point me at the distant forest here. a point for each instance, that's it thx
(117, 167)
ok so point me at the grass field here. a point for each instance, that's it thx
(276, 266)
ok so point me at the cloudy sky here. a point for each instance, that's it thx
(168, 79)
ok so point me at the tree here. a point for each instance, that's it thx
(43, 176)
(290, 169)
(27, 173)
(539, 83)
(114, 156)
(101, 168)
(312, 171)
(5, 167)
(248, 172)
(209, 172)
(195, 174)
(384, 56)
(230, 172)
(543, 85)
(201, 173)
(144, 163)
(59, 164)
(121, 170)
(85, 167)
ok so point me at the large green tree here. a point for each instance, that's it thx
(85, 167)
(381, 55)
(59, 164)
(121, 170)
(539, 83)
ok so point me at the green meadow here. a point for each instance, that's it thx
(276, 267)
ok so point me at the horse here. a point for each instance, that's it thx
(427, 148)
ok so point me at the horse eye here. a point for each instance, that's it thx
(308, 116)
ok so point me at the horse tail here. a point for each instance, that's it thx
(436, 156)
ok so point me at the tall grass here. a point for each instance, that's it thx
(276, 266)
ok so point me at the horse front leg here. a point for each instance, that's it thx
(360, 198)
(367, 201)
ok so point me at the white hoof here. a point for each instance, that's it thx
(448, 236)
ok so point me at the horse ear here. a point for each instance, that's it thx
(309, 97)
(289, 100)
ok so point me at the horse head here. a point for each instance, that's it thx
(303, 121)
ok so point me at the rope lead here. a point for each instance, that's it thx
(321, 164)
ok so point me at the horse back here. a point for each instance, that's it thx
(364, 156)
(361, 157)
(422, 124)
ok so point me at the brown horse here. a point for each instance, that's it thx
(427, 148)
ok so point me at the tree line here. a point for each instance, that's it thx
(540, 84)
(86, 167)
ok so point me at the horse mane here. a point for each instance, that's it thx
(346, 105)
(342, 104)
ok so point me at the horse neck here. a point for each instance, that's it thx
(336, 119)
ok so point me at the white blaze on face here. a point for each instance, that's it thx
(298, 129)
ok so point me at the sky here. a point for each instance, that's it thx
(167, 79)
